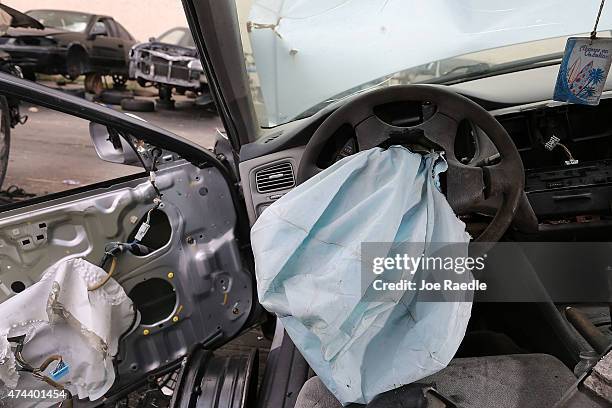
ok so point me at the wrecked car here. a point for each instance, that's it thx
(151, 274)
(169, 62)
(70, 43)
(12, 116)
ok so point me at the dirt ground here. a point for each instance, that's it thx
(53, 151)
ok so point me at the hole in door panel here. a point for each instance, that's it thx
(155, 299)
(159, 233)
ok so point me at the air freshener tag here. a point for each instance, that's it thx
(583, 70)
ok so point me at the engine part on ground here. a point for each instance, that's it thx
(213, 381)
(138, 105)
(588, 330)
(114, 97)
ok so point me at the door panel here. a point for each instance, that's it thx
(194, 288)
(108, 50)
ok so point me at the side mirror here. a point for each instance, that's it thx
(96, 30)
(111, 147)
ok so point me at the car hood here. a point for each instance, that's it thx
(31, 32)
(169, 49)
(331, 46)
(9, 17)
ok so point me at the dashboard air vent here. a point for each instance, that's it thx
(279, 176)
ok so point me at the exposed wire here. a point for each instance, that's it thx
(111, 270)
(38, 372)
(567, 151)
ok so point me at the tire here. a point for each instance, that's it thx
(113, 97)
(77, 63)
(138, 105)
(5, 137)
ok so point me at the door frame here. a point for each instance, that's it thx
(199, 156)
(216, 33)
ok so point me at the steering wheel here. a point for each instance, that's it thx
(469, 187)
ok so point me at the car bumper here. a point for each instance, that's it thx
(158, 67)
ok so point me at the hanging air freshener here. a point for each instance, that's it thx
(584, 68)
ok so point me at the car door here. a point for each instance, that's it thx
(108, 49)
(193, 283)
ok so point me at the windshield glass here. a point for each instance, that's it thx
(177, 36)
(65, 20)
(302, 55)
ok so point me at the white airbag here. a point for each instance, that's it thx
(59, 315)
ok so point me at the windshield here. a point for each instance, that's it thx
(65, 20)
(177, 36)
(302, 55)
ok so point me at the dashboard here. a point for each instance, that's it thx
(566, 152)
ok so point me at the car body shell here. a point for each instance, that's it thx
(49, 50)
(167, 64)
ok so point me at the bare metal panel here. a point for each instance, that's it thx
(201, 260)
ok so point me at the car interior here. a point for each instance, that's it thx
(557, 203)
(521, 168)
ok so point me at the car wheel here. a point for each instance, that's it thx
(77, 63)
(114, 97)
(70, 77)
(138, 105)
(5, 137)
(119, 81)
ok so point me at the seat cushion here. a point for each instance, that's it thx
(510, 381)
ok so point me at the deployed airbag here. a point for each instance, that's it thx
(307, 248)
(59, 316)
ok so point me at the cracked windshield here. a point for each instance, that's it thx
(304, 55)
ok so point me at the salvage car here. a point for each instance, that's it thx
(12, 116)
(168, 62)
(175, 237)
(70, 43)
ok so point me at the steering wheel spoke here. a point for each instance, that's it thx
(465, 187)
(497, 180)
(440, 130)
(372, 132)
(468, 188)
